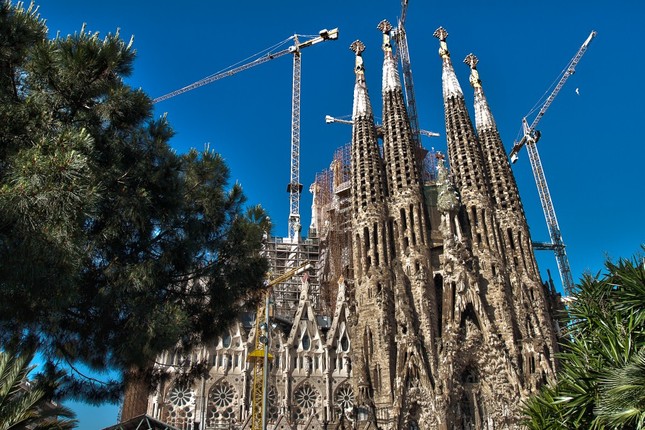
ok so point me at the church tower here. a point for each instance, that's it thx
(415, 303)
(479, 330)
(375, 327)
(535, 323)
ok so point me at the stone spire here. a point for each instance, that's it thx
(504, 192)
(391, 80)
(373, 302)
(464, 153)
(398, 144)
(451, 85)
(477, 304)
(415, 303)
(531, 301)
(368, 180)
(362, 106)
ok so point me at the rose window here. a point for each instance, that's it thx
(222, 395)
(306, 398)
(181, 396)
(345, 398)
(222, 403)
(179, 407)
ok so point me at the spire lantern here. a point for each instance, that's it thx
(358, 47)
(451, 85)
(385, 27)
(471, 60)
(442, 35)
(391, 80)
(362, 106)
(483, 116)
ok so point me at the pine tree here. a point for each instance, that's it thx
(113, 247)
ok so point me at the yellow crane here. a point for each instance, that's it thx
(260, 356)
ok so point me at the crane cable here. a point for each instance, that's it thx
(258, 54)
(538, 105)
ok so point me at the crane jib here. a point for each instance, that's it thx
(529, 139)
(324, 35)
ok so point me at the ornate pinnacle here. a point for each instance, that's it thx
(442, 34)
(357, 46)
(472, 61)
(385, 26)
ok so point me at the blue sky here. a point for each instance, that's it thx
(591, 146)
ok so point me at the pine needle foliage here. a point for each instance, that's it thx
(601, 381)
(113, 247)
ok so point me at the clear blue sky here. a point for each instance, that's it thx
(591, 146)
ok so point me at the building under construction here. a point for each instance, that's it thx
(424, 308)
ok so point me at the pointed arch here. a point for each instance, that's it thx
(469, 314)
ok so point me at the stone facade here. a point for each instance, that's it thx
(426, 309)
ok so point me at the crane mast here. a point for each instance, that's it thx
(529, 139)
(408, 85)
(294, 188)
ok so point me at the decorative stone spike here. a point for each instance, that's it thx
(370, 257)
(472, 61)
(442, 34)
(530, 307)
(357, 46)
(384, 26)
(451, 87)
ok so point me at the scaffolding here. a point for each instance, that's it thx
(285, 254)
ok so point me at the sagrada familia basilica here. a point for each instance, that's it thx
(424, 308)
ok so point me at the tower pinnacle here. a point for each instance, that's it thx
(451, 86)
(385, 27)
(358, 47)
(483, 116)
(472, 61)
(362, 106)
(391, 80)
(442, 34)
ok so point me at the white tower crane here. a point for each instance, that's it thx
(529, 139)
(294, 187)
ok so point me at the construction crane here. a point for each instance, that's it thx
(294, 188)
(330, 119)
(529, 139)
(401, 40)
(260, 356)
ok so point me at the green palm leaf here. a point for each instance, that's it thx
(24, 405)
